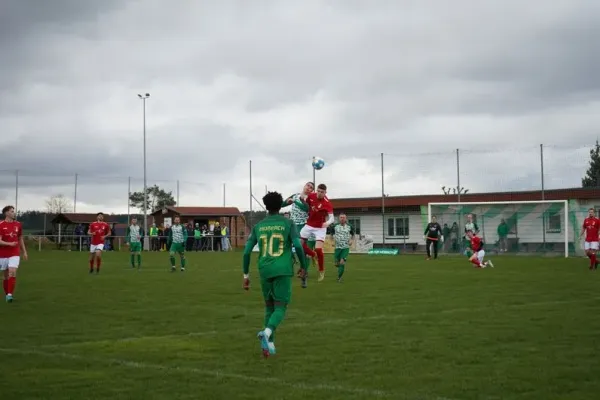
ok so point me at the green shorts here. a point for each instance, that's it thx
(341, 254)
(177, 248)
(135, 247)
(277, 289)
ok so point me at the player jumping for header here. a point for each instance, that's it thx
(343, 236)
(99, 230)
(299, 215)
(176, 243)
(591, 229)
(275, 236)
(320, 216)
(11, 248)
(478, 251)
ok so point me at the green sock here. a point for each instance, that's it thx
(139, 260)
(269, 309)
(182, 257)
(311, 244)
(172, 258)
(276, 317)
(132, 260)
(340, 270)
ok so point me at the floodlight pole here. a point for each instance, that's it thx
(143, 98)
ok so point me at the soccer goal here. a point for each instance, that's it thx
(517, 227)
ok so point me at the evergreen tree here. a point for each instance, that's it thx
(592, 175)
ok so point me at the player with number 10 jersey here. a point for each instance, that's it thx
(275, 236)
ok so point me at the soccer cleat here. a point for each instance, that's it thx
(264, 343)
(272, 350)
(92, 271)
(173, 269)
(246, 284)
(9, 298)
(321, 276)
(340, 280)
(490, 263)
(182, 269)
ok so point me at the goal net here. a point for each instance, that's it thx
(518, 227)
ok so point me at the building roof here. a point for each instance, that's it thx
(203, 211)
(418, 200)
(83, 218)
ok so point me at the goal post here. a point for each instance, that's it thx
(523, 227)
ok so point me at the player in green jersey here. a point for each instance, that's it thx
(176, 243)
(299, 214)
(275, 236)
(343, 235)
(133, 239)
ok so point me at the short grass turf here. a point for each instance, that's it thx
(399, 327)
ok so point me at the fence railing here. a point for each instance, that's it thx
(119, 243)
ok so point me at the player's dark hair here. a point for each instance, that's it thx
(272, 202)
(312, 183)
(100, 213)
(322, 186)
(7, 209)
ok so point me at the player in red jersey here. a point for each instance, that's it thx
(591, 230)
(478, 251)
(11, 248)
(320, 216)
(98, 230)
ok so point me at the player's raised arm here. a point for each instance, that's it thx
(301, 204)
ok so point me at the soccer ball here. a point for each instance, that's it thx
(318, 163)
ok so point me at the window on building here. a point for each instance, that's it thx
(553, 223)
(397, 227)
(355, 223)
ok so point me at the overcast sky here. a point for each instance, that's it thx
(277, 82)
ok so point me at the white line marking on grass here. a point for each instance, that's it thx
(323, 322)
(198, 371)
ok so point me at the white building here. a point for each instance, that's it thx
(530, 226)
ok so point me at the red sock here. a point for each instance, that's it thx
(5, 285)
(307, 250)
(92, 263)
(321, 259)
(12, 282)
(98, 262)
(476, 262)
(593, 260)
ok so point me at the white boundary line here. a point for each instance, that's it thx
(210, 373)
(324, 322)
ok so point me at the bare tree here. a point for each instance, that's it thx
(58, 204)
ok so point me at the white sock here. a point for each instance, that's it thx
(268, 332)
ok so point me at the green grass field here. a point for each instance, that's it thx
(399, 328)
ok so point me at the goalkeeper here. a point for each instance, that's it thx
(275, 236)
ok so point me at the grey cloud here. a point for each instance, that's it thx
(405, 79)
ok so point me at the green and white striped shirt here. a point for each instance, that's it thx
(133, 234)
(177, 235)
(297, 215)
(342, 234)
